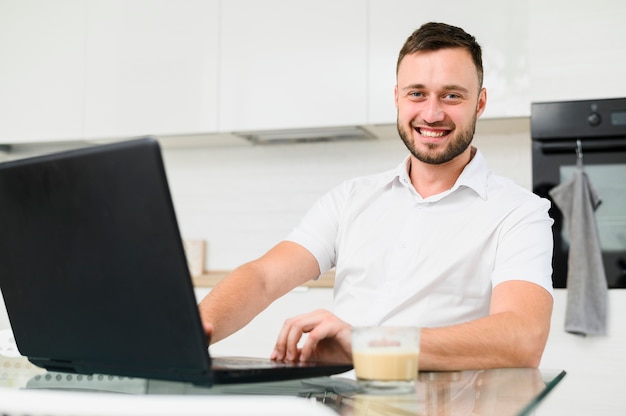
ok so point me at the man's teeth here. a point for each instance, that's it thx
(428, 133)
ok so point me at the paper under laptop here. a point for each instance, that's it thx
(94, 274)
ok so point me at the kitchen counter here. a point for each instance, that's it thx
(26, 389)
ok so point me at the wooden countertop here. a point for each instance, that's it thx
(213, 277)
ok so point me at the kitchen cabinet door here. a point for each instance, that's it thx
(292, 64)
(500, 27)
(42, 47)
(577, 50)
(151, 67)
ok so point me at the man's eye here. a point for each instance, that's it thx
(416, 94)
(452, 97)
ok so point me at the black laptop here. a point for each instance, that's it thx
(94, 274)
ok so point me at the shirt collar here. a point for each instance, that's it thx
(474, 175)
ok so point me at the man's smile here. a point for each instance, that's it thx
(432, 133)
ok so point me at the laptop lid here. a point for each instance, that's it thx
(92, 267)
(94, 274)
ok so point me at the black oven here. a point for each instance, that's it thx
(595, 131)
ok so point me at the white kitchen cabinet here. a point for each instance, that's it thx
(41, 70)
(292, 64)
(76, 69)
(151, 67)
(577, 50)
(500, 27)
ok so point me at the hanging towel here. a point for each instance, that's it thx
(587, 289)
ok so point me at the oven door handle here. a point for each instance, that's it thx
(589, 145)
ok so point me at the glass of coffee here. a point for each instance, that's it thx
(386, 358)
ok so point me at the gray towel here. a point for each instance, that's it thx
(587, 290)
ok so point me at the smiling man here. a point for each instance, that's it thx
(440, 242)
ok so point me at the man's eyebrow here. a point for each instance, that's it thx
(455, 87)
(449, 87)
(414, 87)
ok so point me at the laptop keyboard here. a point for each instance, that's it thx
(244, 362)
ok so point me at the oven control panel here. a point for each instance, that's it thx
(588, 118)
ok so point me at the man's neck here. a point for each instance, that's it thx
(428, 179)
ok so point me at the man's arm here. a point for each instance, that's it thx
(251, 288)
(513, 335)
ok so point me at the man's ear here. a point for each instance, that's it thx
(482, 102)
(395, 95)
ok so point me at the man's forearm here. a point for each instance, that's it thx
(485, 343)
(228, 307)
(251, 288)
(513, 335)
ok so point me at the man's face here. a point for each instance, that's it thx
(438, 101)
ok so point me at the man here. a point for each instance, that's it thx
(439, 242)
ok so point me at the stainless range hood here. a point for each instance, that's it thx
(318, 134)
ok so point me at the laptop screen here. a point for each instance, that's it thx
(92, 266)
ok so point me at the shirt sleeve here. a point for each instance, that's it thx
(526, 245)
(317, 231)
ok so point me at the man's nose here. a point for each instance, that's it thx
(432, 111)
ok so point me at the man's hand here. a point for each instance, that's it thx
(208, 330)
(328, 339)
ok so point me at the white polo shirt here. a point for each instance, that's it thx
(406, 260)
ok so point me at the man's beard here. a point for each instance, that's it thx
(456, 145)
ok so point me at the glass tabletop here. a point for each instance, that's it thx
(515, 391)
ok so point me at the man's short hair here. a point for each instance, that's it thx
(434, 36)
